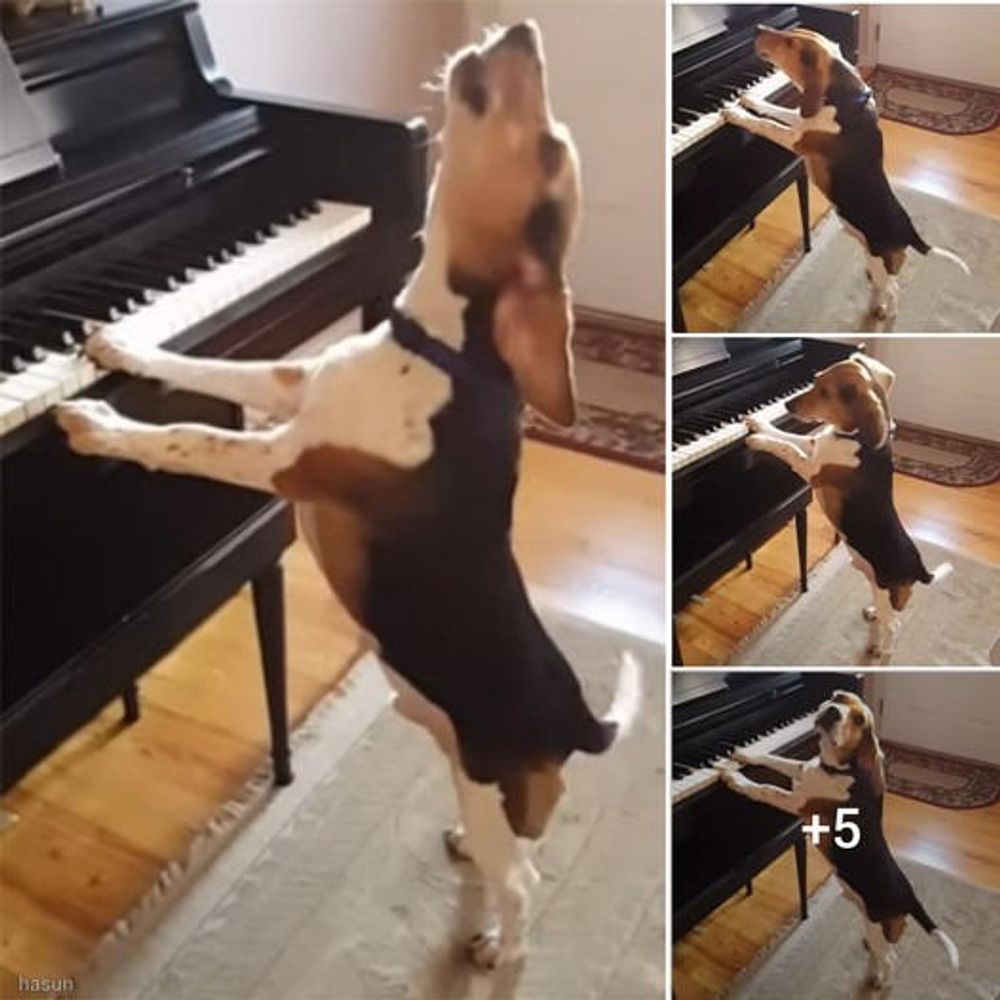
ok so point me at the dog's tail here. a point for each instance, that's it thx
(921, 246)
(624, 708)
(938, 573)
(921, 916)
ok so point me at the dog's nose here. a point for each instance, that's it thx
(828, 718)
(522, 36)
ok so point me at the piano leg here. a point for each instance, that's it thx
(802, 184)
(800, 871)
(801, 524)
(269, 610)
(130, 703)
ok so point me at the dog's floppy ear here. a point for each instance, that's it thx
(870, 758)
(532, 329)
(812, 97)
(870, 417)
(529, 796)
(882, 375)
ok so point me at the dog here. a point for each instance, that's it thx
(849, 465)
(836, 130)
(848, 774)
(400, 450)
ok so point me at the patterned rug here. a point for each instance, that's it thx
(952, 108)
(939, 780)
(621, 398)
(945, 458)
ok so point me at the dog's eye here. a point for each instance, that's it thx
(857, 718)
(848, 393)
(808, 57)
(823, 392)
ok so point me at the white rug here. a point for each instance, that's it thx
(827, 290)
(823, 958)
(953, 623)
(341, 887)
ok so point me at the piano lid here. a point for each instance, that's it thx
(24, 148)
(695, 23)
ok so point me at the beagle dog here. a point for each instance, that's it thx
(849, 465)
(836, 130)
(848, 775)
(400, 448)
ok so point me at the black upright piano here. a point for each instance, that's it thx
(139, 188)
(727, 499)
(722, 175)
(721, 839)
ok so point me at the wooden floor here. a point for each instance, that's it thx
(960, 168)
(98, 820)
(962, 842)
(963, 519)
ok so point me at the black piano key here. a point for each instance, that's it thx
(52, 335)
(84, 325)
(177, 261)
(146, 277)
(130, 292)
(168, 266)
(114, 297)
(88, 307)
(18, 356)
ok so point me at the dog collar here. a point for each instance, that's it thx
(864, 97)
(833, 769)
(409, 334)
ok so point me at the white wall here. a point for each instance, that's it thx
(949, 383)
(367, 54)
(957, 41)
(607, 77)
(954, 715)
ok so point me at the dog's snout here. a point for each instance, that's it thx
(523, 36)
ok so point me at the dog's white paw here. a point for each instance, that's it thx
(116, 353)
(487, 951)
(869, 614)
(454, 843)
(733, 114)
(752, 103)
(91, 425)
(755, 425)
(758, 442)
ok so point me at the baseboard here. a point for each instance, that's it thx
(619, 322)
(908, 425)
(937, 79)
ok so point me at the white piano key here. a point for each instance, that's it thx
(774, 741)
(694, 132)
(171, 313)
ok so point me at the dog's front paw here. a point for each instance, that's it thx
(90, 425)
(755, 425)
(486, 950)
(869, 614)
(733, 114)
(751, 103)
(758, 442)
(116, 353)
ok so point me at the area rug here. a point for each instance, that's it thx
(341, 886)
(621, 398)
(823, 958)
(952, 623)
(827, 290)
(937, 105)
(948, 459)
(940, 780)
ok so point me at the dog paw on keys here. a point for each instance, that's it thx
(454, 844)
(115, 353)
(90, 425)
(733, 114)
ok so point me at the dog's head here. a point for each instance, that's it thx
(810, 60)
(847, 731)
(507, 196)
(852, 395)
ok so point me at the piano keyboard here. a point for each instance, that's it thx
(692, 125)
(155, 296)
(688, 780)
(691, 445)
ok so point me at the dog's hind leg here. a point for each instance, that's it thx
(882, 958)
(508, 876)
(886, 625)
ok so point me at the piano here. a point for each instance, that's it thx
(141, 191)
(721, 840)
(722, 175)
(727, 499)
